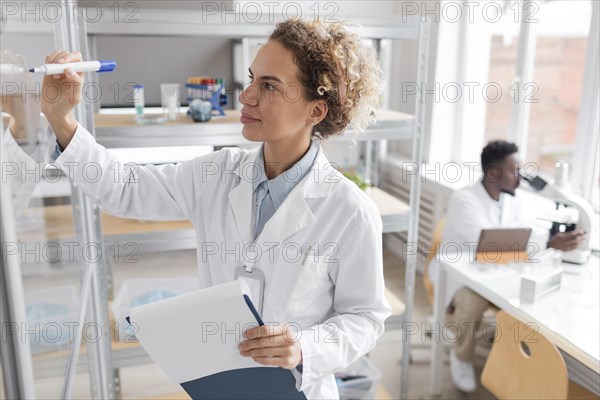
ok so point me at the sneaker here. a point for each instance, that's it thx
(463, 374)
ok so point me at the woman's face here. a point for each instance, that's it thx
(274, 107)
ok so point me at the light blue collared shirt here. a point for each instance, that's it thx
(57, 152)
(270, 194)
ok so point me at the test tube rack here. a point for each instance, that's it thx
(208, 92)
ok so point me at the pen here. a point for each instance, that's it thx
(86, 66)
(10, 69)
(253, 310)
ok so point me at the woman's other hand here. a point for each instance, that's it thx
(60, 94)
(272, 345)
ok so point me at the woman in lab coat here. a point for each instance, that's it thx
(281, 209)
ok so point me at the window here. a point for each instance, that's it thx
(504, 49)
(560, 57)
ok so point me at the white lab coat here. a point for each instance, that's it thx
(321, 252)
(470, 210)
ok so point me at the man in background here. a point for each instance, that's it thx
(491, 202)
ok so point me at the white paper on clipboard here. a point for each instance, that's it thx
(196, 334)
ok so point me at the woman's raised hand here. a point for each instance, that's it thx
(60, 94)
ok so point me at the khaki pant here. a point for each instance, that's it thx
(468, 308)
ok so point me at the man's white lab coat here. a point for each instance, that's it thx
(472, 209)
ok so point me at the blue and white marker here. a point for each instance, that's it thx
(86, 66)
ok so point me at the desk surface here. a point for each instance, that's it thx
(570, 317)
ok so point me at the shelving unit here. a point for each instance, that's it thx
(121, 131)
(149, 236)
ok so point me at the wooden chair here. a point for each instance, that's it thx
(523, 364)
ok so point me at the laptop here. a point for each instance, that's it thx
(503, 245)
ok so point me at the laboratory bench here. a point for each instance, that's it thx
(569, 317)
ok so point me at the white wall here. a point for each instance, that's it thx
(152, 60)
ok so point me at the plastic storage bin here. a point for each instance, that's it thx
(135, 292)
(51, 317)
(363, 383)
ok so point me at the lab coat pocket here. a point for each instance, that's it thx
(313, 283)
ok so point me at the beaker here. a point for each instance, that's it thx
(170, 100)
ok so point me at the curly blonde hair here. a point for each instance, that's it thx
(335, 66)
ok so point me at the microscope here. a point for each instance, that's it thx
(572, 212)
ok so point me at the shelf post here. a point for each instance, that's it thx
(15, 354)
(414, 203)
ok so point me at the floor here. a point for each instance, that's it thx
(388, 354)
(148, 380)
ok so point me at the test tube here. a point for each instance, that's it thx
(138, 100)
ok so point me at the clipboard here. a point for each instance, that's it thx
(205, 369)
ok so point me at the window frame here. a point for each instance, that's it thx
(584, 178)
